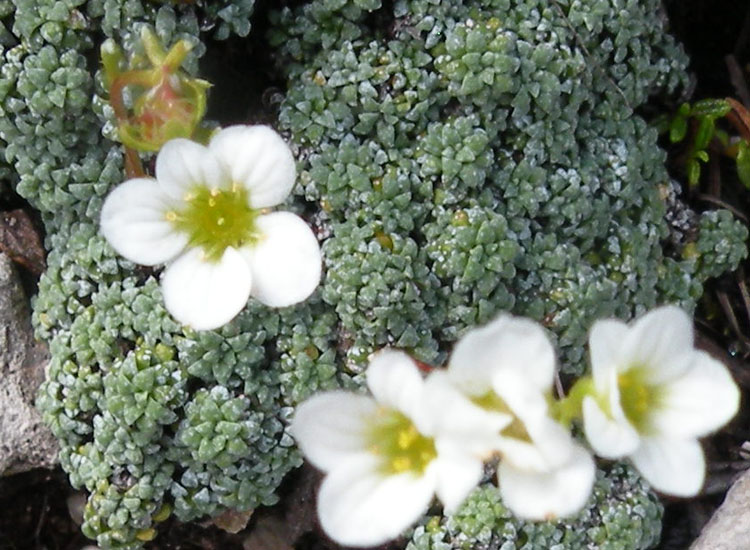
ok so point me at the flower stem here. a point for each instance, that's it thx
(133, 165)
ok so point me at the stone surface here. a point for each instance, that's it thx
(25, 443)
(729, 528)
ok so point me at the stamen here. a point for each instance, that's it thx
(637, 397)
(395, 438)
(407, 437)
(215, 219)
(401, 464)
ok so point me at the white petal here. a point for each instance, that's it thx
(329, 427)
(258, 158)
(133, 220)
(455, 416)
(550, 443)
(700, 401)
(506, 343)
(457, 475)
(395, 381)
(549, 448)
(673, 466)
(286, 263)
(609, 437)
(525, 399)
(659, 341)
(203, 294)
(183, 164)
(553, 440)
(358, 506)
(605, 341)
(547, 496)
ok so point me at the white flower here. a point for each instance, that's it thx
(383, 458)
(507, 367)
(205, 216)
(655, 395)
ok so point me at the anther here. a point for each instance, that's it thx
(401, 464)
(406, 437)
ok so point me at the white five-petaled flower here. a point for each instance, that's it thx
(507, 368)
(655, 395)
(205, 217)
(383, 455)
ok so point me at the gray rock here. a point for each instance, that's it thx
(25, 443)
(729, 528)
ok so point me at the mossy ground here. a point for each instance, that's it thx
(34, 514)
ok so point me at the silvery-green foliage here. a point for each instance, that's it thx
(128, 390)
(621, 515)
(456, 158)
(483, 156)
(718, 233)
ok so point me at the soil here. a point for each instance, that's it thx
(35, 514)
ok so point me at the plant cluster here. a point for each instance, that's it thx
(485, 156)
(455, 159)
(649, 397)
(621, 514)
(696, 125)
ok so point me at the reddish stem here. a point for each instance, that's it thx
(133, 165)
(740, 118)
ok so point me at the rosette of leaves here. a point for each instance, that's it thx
(143, 395)
(218, 443)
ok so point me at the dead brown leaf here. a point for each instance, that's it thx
(232, 521)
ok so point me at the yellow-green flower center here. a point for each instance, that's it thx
(215, 219)
(491, 401)
(637, 397)
(395, 438)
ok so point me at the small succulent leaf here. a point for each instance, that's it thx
(705, 133)
(693, 172)
(678, 129)
(743, 163)
(714, 108)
